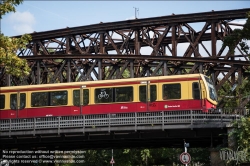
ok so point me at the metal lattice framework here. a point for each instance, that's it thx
(137, 48)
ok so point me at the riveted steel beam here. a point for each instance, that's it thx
(171, 19)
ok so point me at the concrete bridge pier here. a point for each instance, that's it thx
(215, 158)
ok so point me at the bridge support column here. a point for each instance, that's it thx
(215, 158)
(232, 144)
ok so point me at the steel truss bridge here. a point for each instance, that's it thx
(137, 48)
(142, 129)
(132, 48)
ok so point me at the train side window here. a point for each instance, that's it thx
(104, 95)
(124, 94)
(153, 93)
(142, 93)
(58, 98)
(13, 101)
(39, 99)
(22, 100)
(196, 90)
(85, 96)
(171, 91)
(76, 97)
(2, 101)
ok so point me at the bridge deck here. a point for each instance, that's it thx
(116, 122)
(160, 129)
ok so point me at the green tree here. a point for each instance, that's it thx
(9, 46)
(241, 131)
(240, 36)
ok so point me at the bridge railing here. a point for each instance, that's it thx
(190, 117)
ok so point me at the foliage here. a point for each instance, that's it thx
(13, 65)
(97, 157)
(140, 157)
(232, 99)
(241, 131)
(239, 36)
(7, 6)
(227, 96)
(242, 134)
(9, 46)
(244, 91)
(107, 71)
(144, 157)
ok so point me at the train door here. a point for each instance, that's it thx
(18, 104)
(80, 100)
(84, 100)
(147, 96)
(195, 95)
(203, 94)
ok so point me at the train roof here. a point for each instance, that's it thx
(101, 81)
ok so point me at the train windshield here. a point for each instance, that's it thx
(211, 89)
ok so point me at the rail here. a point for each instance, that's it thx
(162, 118)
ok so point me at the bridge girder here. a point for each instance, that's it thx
(136, 48)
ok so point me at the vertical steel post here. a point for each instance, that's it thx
(174, 46)
(165, 67)
(68, 71)
(132, 69)
(101, 73)
(137, 48)
(68, 44)
(112, 157)
(185, 149)
(99, 69)
(102, 39)
(213, 39)
(38, 72)
(137, 42)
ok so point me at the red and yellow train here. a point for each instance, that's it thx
(164, 93)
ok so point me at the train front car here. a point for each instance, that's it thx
(210, 96)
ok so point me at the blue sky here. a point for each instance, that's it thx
(40, 16)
